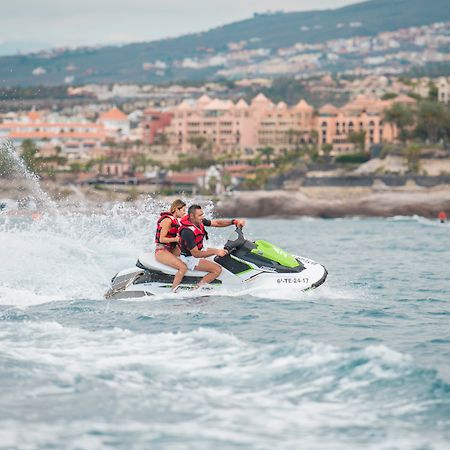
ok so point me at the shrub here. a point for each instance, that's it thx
(352, 158)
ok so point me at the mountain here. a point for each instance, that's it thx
(201, 55)
(16, 46)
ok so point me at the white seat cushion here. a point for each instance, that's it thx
(148, 260)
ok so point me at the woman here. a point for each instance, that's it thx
(167, 249)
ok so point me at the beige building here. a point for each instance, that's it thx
(443, 86)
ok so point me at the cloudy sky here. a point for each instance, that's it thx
(90, 22)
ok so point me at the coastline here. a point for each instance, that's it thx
(330, 202)
(325, 201)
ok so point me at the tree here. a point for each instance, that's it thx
(389, 96)
(402, 117)
(326, 149)
(162, 139)
(314, 135)
(267, 152)
(132, 195)
(412, 155)
(295, 137)
(76, 167)
(29, 156)
(141, 161)
(433, 92)
(358, 139)
(202, 146)
(212, 185)
(432, 120)
(6, 161)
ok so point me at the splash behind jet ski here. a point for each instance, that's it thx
(258, 265)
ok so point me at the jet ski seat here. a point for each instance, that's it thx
(148, 261)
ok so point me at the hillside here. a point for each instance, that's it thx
(168, 60)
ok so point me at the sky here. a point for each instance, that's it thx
(55, 23)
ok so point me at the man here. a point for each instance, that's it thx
(192, 234)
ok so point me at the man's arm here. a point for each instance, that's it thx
(220, 223)
(189, 239)
(196, 253)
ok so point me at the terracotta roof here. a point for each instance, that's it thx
(238, 168)
(34, 115)
(328, 109)
(186, 178)
(402, 98)
(241, 104)
(303, 105)
(217, 104)
(43, 135)
(184, 106)
(114, 114)
(261, 98)
(51, 125)
(203, 99)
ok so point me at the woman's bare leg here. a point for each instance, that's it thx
(169, 259)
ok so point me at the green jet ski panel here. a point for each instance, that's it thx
(274, 253)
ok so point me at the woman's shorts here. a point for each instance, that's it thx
(190, 261)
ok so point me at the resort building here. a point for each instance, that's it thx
(42, 128)
(443, 86)
(335, 125)
(226, 128)
(115, 123)
(154, 124)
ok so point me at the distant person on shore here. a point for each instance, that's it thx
(442, 217)
(167, 237)
(192, 235)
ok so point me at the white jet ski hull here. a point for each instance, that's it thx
(150, 278)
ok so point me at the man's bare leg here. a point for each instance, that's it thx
(208, 266)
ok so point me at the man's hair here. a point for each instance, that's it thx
(193, 208)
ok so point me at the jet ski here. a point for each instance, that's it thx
(257, 266)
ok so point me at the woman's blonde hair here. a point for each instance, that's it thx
(177, 204)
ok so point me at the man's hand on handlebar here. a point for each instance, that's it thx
(240, 223)
(221, 252)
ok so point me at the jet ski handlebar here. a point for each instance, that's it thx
(235, 241)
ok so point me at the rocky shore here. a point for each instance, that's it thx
(337, 202)
(378, 200)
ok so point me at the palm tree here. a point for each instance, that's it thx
(267, 152)
(141, 161)
(358, 138)
(202, 146)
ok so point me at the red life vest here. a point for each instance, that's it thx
(199, 233)
(173, 230)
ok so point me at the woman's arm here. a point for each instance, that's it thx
(165, 227)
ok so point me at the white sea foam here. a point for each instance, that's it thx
(197, 387)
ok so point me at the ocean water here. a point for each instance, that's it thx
(362, 362)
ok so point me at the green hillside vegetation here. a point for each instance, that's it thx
(273, 31)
